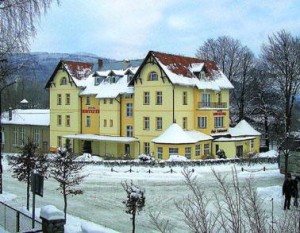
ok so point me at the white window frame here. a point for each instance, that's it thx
(146, 147)
(16, 140)
(206, 149)
(159, 98)
(88, 100)
(198, 150)
(184, 123)
(37, 137)
(219, 122)
(202, 122)
(146, 98)
(153, 76)
(184, 98)
(129, 131)
(59, 99)
(129, 109)
(146, 123)
(68, 121)
(68, 98)
(173, 151)
(188, 152)
(88, 121)
(158, 123)
(159, 152)
(206, 99)
(22, 136)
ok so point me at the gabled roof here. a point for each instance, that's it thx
(77, 71)
(243, 128)
(36, 117)
(176, 135)
(181, 70)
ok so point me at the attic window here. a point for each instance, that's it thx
(129, 78)
(63, 81)
(153, 76)
(202, 74)
(98, 80)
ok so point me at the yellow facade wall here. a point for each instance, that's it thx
(65, 109)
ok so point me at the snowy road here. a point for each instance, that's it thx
(101, 202)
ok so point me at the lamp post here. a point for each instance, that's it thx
(1, 135)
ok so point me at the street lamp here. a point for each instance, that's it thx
(1, 133)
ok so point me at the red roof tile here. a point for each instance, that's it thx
(78, 69)
(180, 65)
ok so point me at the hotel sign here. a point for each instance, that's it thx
(219, 113)
(90, 111)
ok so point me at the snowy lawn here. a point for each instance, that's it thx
(101, 204)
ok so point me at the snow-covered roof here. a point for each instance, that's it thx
(176, 135)
(94, 137)
(38, 117)
(243, 128)
(180, 70)
(233, 139)
(106, 88)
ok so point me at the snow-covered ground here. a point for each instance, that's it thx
(101, 204)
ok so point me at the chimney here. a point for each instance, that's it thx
(126, 63)
(100, 63)
(10, 114)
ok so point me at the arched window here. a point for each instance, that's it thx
(63, 81)
(153, 76)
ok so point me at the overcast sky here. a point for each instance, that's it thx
(128, 29)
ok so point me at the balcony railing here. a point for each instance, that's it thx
(212, 105)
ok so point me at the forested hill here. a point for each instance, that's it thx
(42, 64)
(34, 69)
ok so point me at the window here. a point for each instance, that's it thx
(15, 142)
(197, 150)
(58, 99)
(36, 137)
(206, 149)
(206, 99)
(202, 122)
(184, 123)
(111, 123)
(59, 121)
(129, 109)
(146, 98)
(88, 100)
(22, 136)
(184, 98)
(111, 101)
(158, 98)
(219, 122)
(59, 141)
(146, 123)
(159, 123)
(88, 121)
(188, 152)
(147, 148)
(105, 123)
(153, 76)
(63, 81)
(104, 101)
(68, 99)
(252, 144)
(173, 151)
(159, 152)
(68, 120)
(129, 131)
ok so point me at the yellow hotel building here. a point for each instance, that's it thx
(168, 105)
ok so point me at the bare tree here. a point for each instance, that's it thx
(30, 159)
(135, 200)
(67, 172)
(236, 62)
(281, 58)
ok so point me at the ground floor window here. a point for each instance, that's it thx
(147, 148)
(206, 149)
(252, 144)
(197, 150)
(188, 152)
(173, 151)
(59, 141)
(159, 152)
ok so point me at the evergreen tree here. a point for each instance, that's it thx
(67, 172)
(135, 200)
(30, 160)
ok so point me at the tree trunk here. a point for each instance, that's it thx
(133, 223)
(267, 140)
(28, 191)
(65, 202)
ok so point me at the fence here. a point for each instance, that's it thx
(13, 220)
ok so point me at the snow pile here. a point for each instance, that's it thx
(86, 157)
(144, 158)
(93, 228)
(268, 154)
(177, 158)
(50, 212)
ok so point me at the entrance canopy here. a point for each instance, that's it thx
(93, 137)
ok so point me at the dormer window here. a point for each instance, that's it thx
(63, 81)
(201, 75)
(98, 80)
(129, 77)
(153, 76)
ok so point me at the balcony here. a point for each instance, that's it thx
(212, 105)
